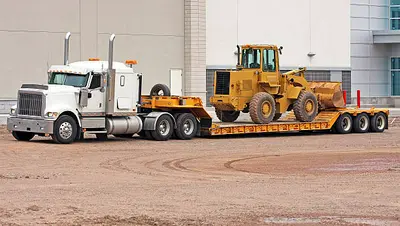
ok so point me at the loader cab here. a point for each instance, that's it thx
(264, 60)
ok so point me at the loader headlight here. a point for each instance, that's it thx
(51, 114)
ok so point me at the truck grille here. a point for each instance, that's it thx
(30, 104)
(222, 83)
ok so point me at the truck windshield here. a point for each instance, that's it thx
(251, 58)
(68, 79)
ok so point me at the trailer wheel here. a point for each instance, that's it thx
(22, 136)
(344, 124)
(160, 90)
(227, 116)
(65, 130)
(262, 108)
(186, 126)
(361, 123)
(305, 108)
(101, 136)
(378, 123)
(164, 128)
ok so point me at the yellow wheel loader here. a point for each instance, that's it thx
(257, 87)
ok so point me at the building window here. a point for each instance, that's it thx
(395, 14)
(395, 71)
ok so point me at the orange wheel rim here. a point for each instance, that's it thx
(309, 106)
(266, 109)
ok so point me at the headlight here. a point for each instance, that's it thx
(51, 114)
(13, 111)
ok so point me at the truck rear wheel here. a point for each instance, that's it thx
(344, 124)
(361, 123)
(164, 128)
(262, 108)
(227, 116)
(160, 90)
(186, 126)
(305, 108)
(65, 130)
(378, 123)
(22, 136)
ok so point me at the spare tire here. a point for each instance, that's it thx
(160, 90)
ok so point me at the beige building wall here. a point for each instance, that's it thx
(32, 32)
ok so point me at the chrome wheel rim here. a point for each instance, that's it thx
(380, 121)
(188, 127)
(65, 130)
(164, 127)
(364, 123)
(346, 124)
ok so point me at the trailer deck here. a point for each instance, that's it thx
(325, 120)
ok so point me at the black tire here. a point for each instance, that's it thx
(344, 124)
(305, 108)
(65, 130)
(186, 126)
(101, 136)
(148, 135)
(22, 136)
(227, 116)
(277, 116)
(164, 128)
(361, 123)
(378, 123)
(160, 90)
(142, 133)
(262, 108)
(123, 135)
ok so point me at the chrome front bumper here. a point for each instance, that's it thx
(30, 125)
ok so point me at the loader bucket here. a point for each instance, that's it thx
(329, 94)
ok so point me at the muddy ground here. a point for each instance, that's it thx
(307, 179)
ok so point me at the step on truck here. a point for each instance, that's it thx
(105, 98)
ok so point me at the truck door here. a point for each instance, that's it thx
(96, 97)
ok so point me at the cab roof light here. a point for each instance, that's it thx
(131, 62)
(94, 59)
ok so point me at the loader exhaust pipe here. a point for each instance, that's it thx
(238, 55)
(66, 48)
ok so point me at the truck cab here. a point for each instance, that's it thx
(98, 97)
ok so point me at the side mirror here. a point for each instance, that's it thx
(103, 82)
(280, 50)
(83, 97)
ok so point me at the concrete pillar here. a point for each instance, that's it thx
(195, 49)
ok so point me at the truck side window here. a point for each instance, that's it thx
(269, 60)
(96, 82)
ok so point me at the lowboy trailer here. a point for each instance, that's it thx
(342, 121)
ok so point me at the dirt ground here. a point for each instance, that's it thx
(297, 179)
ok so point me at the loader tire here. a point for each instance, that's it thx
(160, 90)
(262, 108)
(227, 116)
(305, 108)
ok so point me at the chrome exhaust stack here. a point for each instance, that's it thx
(66, 48)
(110, 91)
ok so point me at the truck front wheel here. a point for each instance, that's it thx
(65, 130)
(22, 136)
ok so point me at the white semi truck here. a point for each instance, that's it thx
(96, 97)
